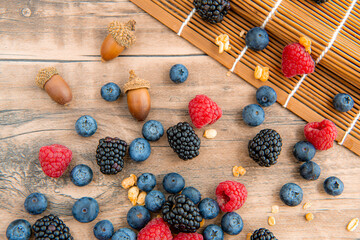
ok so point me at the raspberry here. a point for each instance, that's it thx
(296, 61)
(188, 236)
(321, 134)
(156, 229)
(203, 111)
(231, 195)
(54, 159)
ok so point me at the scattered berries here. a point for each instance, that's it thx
(152, 130)
(296, 61)
(154, 201)
(189, 236)
(253, 115)
(343, 102)
(333, 186)
(138, 217)
(257, 39)
(209, 208)
(184, 141)
(203, 111)
(81, 175)
(139, 150)
(103, 230)
(212, 11)
(19, 229)
(232, 223)
(124, 234)
(265, 147)
(156, 229)
(304, 151)
(54, 159)
(261, 234)
(192, 193)
(231, 195)
(35, 203)
(321, 134)
(110, 92)
(179, 73)
(291, 194)
(266, 96)
(50, 226)
(86, 126)
(213, 232)
(85, 210)
(110, 155)
(173, 183)
(146, 182)
(310, 170)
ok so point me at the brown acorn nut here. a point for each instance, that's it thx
(56, 87)
(121, 36)
(138, 97)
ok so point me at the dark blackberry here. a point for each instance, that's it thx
(181, 213)
(51, 227)
(265, 147)
(262, 234)
(183, 140)
(320, 1)
(212, 11)
(110, 155)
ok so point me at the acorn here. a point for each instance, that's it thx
(55, 86)
(121, 36)
(138, 97)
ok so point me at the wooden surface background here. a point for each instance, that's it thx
(68, 34)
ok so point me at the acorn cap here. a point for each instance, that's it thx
(45, 75)
(123, 33)
(135, 82)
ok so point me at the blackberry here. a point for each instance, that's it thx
(183, 140)
(262, 234)
(51, 227)
(181, 213)
(110, 155)
(320, 1)
(212, 11)
(265, 147)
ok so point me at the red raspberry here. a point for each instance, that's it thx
(54, 159)
(188, 236)
(321, 134)
(156, 229)
(296, 61)
(203, 111)
(231, 195)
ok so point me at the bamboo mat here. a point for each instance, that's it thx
(338, 72)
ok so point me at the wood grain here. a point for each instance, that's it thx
(68, 34)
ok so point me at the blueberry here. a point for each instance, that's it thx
(138, 217)
(152, 130)
(146, 182)
(86, 126)
(139, 150)
(19, 229)
(310, 170)
(104, 230)
(192, 193)
(333, 186)
(253, 115)
(110, 92)
(35, 203)
(81, 175)
(124, 234)
(266, 96)
(257, 39)
(213, 232)
(85, 209)
(154, 201)
(232, 223)
(173, 183)
(304, 151)
(209, 208)
(179, 73)
(291, 194)
(343, 102)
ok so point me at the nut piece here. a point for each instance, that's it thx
(223, 42)
(309, 217)
(242, 33)
(271, 221)
(248, 236)
(202, 222)
(352, 225)
(307, 205)
(141, 198)
(275, 209)
(210, 133)
(129, 182)
(261, 73)
(133, 194)
(238, 170)
(306, 42)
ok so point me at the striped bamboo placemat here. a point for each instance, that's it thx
(309, 97)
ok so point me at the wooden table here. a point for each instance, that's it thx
(68, 34)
